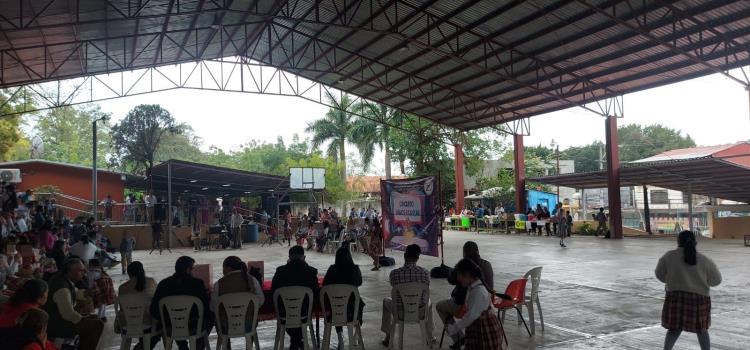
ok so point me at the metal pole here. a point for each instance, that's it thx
(646, 210)
(169, 203)
(690, 207)
(93, 172)
(557, 155)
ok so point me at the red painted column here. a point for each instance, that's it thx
(519, 172)
(459, 169)
(613, 178)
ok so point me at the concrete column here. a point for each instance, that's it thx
(646, 210)
(519, 171)
(613, 178)
(459, 170)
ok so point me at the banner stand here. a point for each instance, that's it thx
(443, 270)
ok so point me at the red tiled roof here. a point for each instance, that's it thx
(366, 184)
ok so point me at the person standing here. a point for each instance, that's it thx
(150, 201)
(688, 276)
(127, 245)
(235, 221)
(109, 205)
(601, 220)
(375, 247)
(561, 224)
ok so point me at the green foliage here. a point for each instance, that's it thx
(374, 131)
(10, 132)
(136, 138)
(335, 184)
(586, 230)
(67, 135)
(586, 157)
(336, 128)
(182, 145)
(638, 142)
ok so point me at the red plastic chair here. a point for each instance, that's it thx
(512, 299)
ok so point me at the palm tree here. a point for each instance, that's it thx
(336, 126)
(374, 130)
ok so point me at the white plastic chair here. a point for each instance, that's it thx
(293, 299)
(411, 312)
(239, 308)
(129, 310)
(534, 275)
(339, 296)
(335, 242)
(178, 309)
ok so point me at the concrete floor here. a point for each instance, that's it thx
(595, 294)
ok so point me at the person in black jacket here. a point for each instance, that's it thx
(183, 283)
(344, 271)
(296, 272)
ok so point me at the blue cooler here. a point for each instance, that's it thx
(251, 235)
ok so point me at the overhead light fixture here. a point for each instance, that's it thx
(247, 192)
(270, 190)
(204, 188)
(193, 181)
(226, 185)
(341, 80)
(216, 24)
(185, 191)
(404, 47)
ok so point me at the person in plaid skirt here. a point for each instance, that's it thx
(688, 276)
(483, 329)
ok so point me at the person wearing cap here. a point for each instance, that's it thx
(296, 272)
(409, 273)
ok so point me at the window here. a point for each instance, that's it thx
(659, 197)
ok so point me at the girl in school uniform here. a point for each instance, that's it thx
(482, 328)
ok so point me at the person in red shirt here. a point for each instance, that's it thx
(32, 294)
(34, 324)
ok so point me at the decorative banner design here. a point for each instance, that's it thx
(410, 213)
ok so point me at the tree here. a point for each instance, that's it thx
(335, 127)
(586, 158)
(182, 145)
(10, 126)
(136, 138)
(638, 142)
(374, 131)
(67, 135)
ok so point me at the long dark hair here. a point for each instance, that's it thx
(471, 252)
(686, 240)
(29, 292)
(344, 257)
(469, 267)
(236, 264)
(135, 270)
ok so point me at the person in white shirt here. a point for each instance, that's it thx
(84, 249)
(499, 210)
(150, 200)
(483, 329)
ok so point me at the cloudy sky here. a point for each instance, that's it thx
(713, 110)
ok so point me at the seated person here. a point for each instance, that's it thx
(182, 282)
(409, 273)
(83, 249)
(311, 235)
(138, 283)
(101, 287)
(30, 332)
(236, 279)
(33, 294)
(482, 327)
(65, 321)
(296, 272)
(344, 271)
(448, 308)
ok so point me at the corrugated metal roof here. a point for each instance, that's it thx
(465, 64)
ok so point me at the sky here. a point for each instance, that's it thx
(712, 110)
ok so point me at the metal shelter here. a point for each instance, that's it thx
(464, 64)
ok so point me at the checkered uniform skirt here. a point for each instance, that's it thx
(485, 333)
(686, 311)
